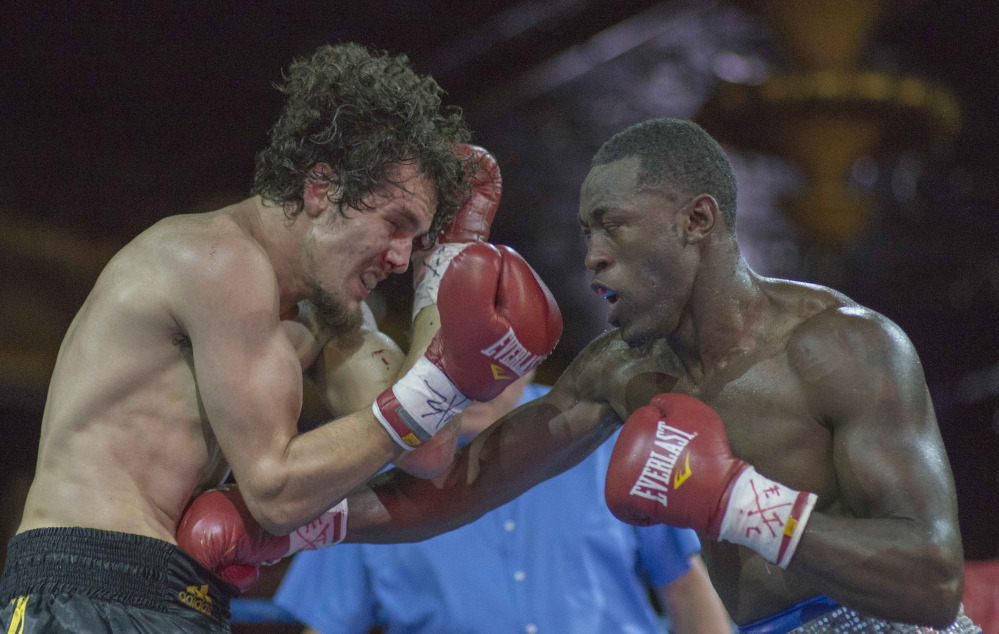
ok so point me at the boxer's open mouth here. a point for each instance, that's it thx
(605, 293)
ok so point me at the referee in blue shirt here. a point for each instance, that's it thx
(552, 561)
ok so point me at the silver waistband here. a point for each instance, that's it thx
(843, 620)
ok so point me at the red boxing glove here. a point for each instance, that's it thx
(218, 530)
(474, 220)
(470, 224)
(498, 322)
(672, 465)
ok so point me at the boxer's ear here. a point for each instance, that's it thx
(700, 217)
(318, 186)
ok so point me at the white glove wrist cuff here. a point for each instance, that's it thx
(328, 529)
(429, 273)
(419, 404)
(766, 516)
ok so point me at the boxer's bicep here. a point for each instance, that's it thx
(248, 375)
(893, 520)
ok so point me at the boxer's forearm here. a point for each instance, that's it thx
(534, 442)
(531, 444)
(895, 569)
(402, 509)
(396, 507)
(317, 470)
(322, 466)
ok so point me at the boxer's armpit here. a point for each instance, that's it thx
(182, 342)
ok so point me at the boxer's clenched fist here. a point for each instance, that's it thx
(672, 465)
(498, 322)
(218, 530)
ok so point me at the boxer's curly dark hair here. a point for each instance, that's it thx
(361, 111)
(676, 154)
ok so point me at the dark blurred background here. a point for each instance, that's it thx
(863, 133)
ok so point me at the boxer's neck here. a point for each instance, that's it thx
(723, 318)
(282, 239)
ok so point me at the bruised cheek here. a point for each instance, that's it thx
(373, 241)
(358, 249)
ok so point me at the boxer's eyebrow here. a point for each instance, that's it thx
(411, 219)
(597, 215)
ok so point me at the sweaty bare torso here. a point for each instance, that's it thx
(124, 441)
(760, 398)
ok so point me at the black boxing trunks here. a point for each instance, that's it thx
(821, 615)
(82, 580)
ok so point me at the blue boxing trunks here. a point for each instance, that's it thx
(821, 615)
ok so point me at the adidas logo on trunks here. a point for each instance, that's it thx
(197, 597)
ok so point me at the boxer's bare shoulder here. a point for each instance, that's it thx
(796, 304)
(851, 350)
(863, 380)
(192, 247)
(856, 367)
(776, 401)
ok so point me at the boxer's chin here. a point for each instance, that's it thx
(637, 334)
(636, 338)
(333, 313)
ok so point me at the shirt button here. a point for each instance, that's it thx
(531, 628)
(509, 525)
(519, 575)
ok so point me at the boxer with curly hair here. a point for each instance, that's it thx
(187, 357)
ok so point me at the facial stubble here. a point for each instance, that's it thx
(332, 314)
